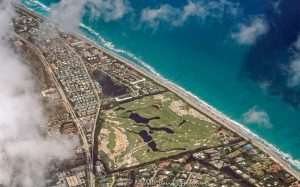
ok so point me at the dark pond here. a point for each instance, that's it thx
(139, 119)
(109, 88)
(148, 139)
(152, 144)
(145, 134)
(167, 130)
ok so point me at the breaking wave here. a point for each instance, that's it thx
(104, 43)
(37, 3)
(109, 45)
(98, 39)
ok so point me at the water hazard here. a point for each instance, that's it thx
(146, 135)
(109, 87)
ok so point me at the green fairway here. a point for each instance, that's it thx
(175, 127)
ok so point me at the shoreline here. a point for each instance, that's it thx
(195, 102)
(206, 109)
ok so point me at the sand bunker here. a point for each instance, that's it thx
(114, 122)
(178, 107)
(162, 98)
(110, 114)
(121, 143)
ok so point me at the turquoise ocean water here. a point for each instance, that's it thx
(202, 58)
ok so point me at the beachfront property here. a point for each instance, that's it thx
(131, 127)
(116, 79)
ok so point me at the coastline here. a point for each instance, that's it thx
(206, 109)
(197, 103)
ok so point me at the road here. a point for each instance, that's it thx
(201, 106)
(204, 108)
(98, 99)
(85, 146)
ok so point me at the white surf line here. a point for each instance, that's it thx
(287, 157)
(284, 156)
(38, 3)
(112, 47)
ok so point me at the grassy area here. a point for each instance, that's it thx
(121, 145)
(111, 144)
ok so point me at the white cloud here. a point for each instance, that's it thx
(294, 68)
(297, 44)
(248, 33)
(258, 117)
(178, 16)
(294, 79)
(109, 9)
(154, 16)
(24, 152)
(68, 13)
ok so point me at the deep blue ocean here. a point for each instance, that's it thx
(202, 57)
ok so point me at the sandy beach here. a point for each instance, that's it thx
(204, 108)
(198, 104)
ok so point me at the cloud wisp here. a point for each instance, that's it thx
(68, 13)
(276, 6)
(294, 67)
(25, 154)
(153, 17)
(248, 33)
(258, 117)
